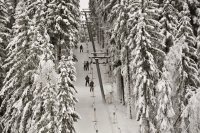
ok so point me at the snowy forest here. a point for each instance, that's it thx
(37, 71)
(154, 47)
(152, 57)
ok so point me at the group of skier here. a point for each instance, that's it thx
(87, 78)
(86, 65)
(90, 83)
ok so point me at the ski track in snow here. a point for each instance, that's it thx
(104, 112)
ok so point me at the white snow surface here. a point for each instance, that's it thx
(107, 122)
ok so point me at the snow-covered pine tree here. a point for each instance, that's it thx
(196, 28)
(54, 98)
(64, 25)
(22, 61)
(3, 28)
(165, 111)
(108, 8)
(169, 22)
(39, 116)
(145, 42)
(4, 37)
(44, 102)
(11, 5)
(189, 81)
(118, 17)
(66, 96)
(193, 6)
(44, 107)
(193, 110)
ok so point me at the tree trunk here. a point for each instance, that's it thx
(128, 85)
(103, 39)
(120, 87)
(59, 52)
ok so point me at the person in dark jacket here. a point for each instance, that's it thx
(91, 86)
(81, 48)
(87, 66)
(84, 66)
(87, 80)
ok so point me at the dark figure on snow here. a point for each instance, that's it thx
(91, 86)
(87, 80)
(84, 66)
(87, 65)
(81, 48)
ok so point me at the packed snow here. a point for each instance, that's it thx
(112, 116)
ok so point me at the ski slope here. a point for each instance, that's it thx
(110, 118)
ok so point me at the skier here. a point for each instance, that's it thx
(87, 80)
(81, 48)
(87, 65)
(91, 86)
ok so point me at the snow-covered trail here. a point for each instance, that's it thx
(84, 107)
(104, 111)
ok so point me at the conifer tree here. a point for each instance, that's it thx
(165, 111)
(49, 111)
(193, 110)
(64, 24)
(4, 34)
(54, 99)
(22, 61)
(169, 22)
(40, 115)
(108, 8)
(66, 96)
(44, 109)
(193, 6)
(196, 21)
(4, 38)
(44, 104)
(11, 7)
(189, 81)
(118, 18)
(145, 43)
